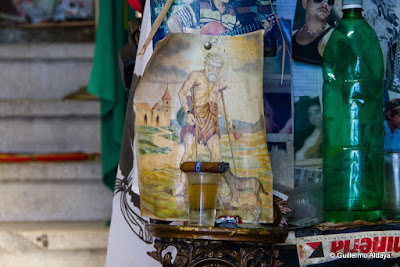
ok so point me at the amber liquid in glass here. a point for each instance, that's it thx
(202, 196)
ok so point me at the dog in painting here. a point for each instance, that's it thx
(236, 184)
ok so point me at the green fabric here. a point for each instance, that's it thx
(105, 82)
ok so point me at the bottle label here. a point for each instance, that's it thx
(197, 166)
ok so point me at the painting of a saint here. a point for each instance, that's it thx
(201, 99)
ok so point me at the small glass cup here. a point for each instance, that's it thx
(306, 203)
(203, 188)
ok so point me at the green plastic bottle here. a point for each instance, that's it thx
(353, 120)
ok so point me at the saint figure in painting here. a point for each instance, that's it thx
(200, 97)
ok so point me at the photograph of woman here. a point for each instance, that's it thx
(308, 128)
(392, 126)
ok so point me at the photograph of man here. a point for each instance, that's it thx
(392, 126)
(310, 39)
(204, 17)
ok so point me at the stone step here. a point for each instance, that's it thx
(48, 108)
(58, 201)
(45, 70)
(59, 191)
(49, 126)
(49, 244)
(88, 170)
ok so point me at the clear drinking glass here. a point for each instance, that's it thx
(203, 188)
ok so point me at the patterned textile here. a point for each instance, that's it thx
(207, 123)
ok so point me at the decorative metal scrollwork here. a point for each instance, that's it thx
(212, 253)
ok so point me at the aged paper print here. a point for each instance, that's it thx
(195, 90)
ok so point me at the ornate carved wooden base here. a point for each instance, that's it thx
(208, 246)
(212, 253)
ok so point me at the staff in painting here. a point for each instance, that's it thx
(227, 128)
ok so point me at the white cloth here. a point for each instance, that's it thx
(144, 32)
(128, 242)
(125, 248)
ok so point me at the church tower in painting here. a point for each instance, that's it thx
(158, 116)
(166, 106)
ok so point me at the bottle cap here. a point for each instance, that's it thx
(352, 4)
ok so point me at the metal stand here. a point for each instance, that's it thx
(219, 247)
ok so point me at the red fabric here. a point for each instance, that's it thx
(135, 4)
